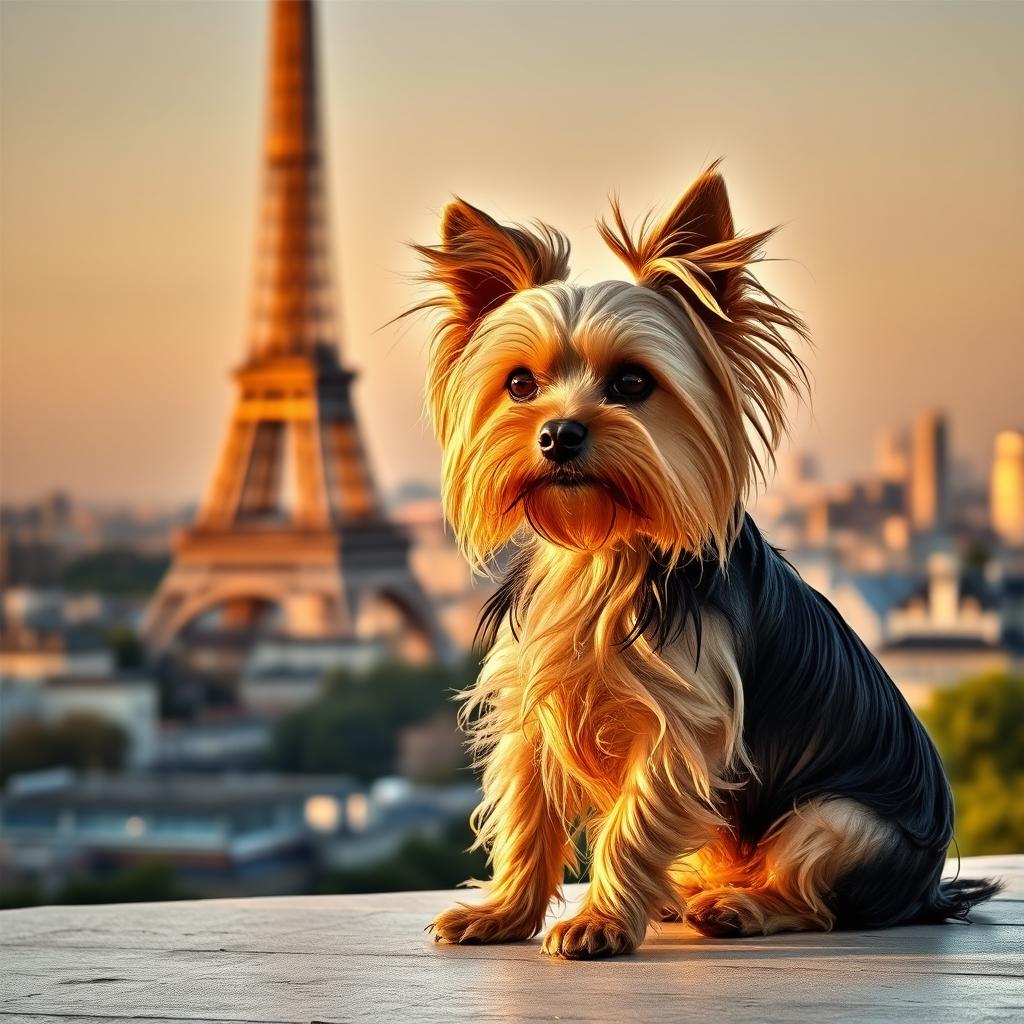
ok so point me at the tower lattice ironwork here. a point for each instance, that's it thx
(292, 518)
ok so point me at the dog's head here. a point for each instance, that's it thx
(602, 414)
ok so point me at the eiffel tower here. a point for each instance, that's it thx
(292, 520)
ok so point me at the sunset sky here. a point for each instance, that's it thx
(887, 139)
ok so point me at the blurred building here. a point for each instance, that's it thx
(851, 513)
(131, 702)
(389, 814)
(922, 562)
(236, 741)
(929, 473)
(440, 566)
(1009, 576)
(44, 633)
(864, 599)
(892, 461)
(1006, 494)
(931, 627)
(56, 661)
(949, 628)
(912, 504)
(34, 540)
(432, 749)
(233, 834)
(223, 835)
(28, 652)
(41, 540)
(282, 674)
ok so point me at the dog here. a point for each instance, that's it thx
(658, 680)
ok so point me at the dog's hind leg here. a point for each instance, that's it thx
(718, 865)
(794, 873)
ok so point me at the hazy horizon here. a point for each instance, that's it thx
(881, 136)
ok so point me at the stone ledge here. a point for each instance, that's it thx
(367, 958)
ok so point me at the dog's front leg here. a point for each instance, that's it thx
(636, 843)
(529, 849)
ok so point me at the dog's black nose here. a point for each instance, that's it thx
(562, 440)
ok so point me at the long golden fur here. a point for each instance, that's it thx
(580, 719)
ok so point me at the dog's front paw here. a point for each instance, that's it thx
(589, 936)
(467, 924)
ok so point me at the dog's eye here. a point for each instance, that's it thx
(630, 384)
(521, 385)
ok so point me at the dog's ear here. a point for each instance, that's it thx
(694, 250)
(480, 263)
(744, 332)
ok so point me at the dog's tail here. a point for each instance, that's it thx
(953, 899)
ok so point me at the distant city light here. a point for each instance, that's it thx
(357, 811)
(323, 813)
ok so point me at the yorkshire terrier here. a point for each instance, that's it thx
(659, 679)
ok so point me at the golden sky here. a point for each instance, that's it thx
(886, 138)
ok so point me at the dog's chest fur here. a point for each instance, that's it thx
(596, 706)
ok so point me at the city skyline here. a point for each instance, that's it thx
(233, 616)
(127, 126)
(966, 475)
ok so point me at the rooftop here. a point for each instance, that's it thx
(367, 958)
(187, 792)
(944, 642)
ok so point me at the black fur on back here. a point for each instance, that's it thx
(822, 719)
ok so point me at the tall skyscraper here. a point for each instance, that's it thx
(929, 473)
(891, 462)
(1006, 491)
(292, 524)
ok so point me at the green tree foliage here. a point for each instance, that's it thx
(80, 740)
(421, 863)
(23, 894)
(126, 647)
(144, 883)
(115, 570)
(352, 728)
(975, 555)
(978, 727)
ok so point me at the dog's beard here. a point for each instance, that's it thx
(579, 511)
(664, 480)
